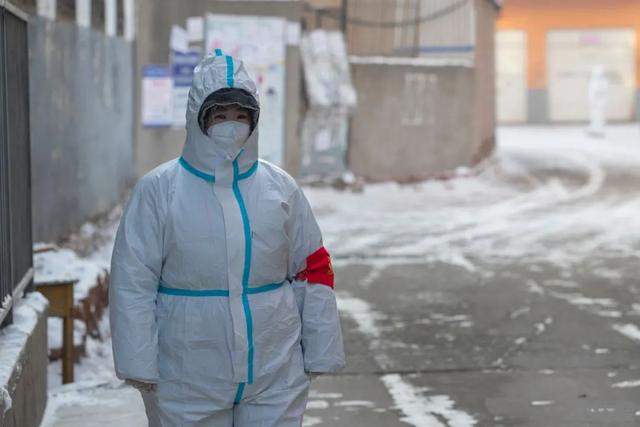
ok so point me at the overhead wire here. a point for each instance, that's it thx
(394, 24)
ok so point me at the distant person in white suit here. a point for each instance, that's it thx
(598, 97)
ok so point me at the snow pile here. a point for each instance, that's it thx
(13, 339)
(65, 265)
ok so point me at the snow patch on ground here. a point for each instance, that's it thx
(360, 311)
(317, 395)
(628, 330)
(423, 411)
(542, 402)
(360, 403)
(317, 404)
(311, 421)
(626, 384)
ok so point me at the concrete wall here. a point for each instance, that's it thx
(389, 142)
(484, 80)
(456, 109)
(23, 364)
(81, 89)
(155, 146)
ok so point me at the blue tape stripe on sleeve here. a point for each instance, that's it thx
(238, 397)
(249, 172)
(193, 292)
(230, 71)
(245, 272)
(219, 52)
(196, 172)
(264, 288)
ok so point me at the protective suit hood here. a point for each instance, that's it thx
(216, 72)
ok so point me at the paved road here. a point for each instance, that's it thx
(439, 345)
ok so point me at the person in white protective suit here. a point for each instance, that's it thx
(598, 97)
(221, 295)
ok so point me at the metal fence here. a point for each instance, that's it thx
(16, 272)
(404, 28)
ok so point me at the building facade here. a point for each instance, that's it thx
(547, 49)
(425, 78)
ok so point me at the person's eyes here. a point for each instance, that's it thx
(220, 117)
(243, 117)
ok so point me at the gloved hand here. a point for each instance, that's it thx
(141, 386)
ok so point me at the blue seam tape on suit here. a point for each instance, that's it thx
(168, 290)
(238, 397)
(246, 271)
(230, 71)
(196, 172)
(249, 171)
(211, 178)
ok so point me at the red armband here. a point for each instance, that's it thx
(319, 269)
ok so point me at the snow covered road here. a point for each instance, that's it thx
(551, 195)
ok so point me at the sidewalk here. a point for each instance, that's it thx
(91, 404)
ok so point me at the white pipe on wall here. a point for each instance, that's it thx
(83, 13)
(47, 8)
(129, 20)
(110, 17)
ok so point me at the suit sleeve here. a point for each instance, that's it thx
(136, 265)
(310, 266)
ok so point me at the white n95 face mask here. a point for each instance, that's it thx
(228, 136)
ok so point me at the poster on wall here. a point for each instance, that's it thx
(261, 43)
(332, 98)
(182, 66)
(157, 94)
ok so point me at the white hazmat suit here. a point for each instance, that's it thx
(598, 97)
(221, 290)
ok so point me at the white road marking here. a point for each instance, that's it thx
(420, 410)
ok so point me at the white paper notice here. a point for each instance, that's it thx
(179, 40)
(195, 28)
(157, 96)
(260, 42)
